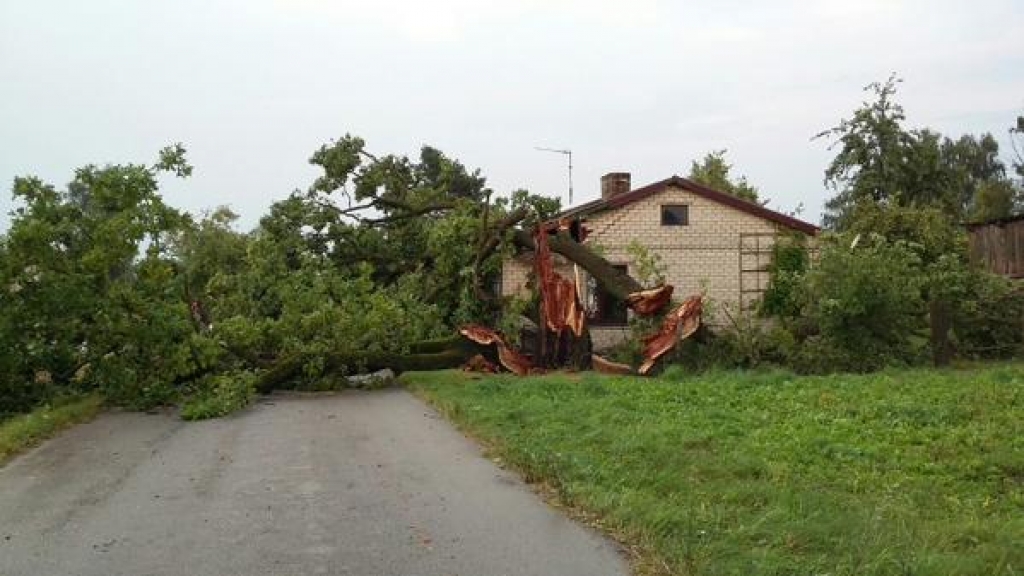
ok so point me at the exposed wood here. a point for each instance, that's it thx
(680, 324)
(605, 366)
(999, 246)
(510, 358)
(650, 302)
(614, 281)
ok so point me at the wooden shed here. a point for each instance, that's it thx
(999, 245)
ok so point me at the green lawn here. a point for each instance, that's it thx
(905, 472)
(20, 433)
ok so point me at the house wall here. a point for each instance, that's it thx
(703, 255)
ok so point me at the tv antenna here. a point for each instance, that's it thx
(566, 153)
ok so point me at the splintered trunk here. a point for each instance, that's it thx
(563, 350)
(564, 337)
(613, 280)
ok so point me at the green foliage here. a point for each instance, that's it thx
(542, 208)
(219, 395)
(928, 230)
(315, 310)
(714, 172)
(995, 199)
(648, 267)
(900, 472)
(515, 311)
(82, 311)
(865, 298)
(790, 260)
(24, 431)
(988, 317)
(881, 162)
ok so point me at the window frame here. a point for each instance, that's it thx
(667, 209)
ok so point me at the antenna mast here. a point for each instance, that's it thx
(567, 153)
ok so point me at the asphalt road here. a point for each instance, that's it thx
(357, 483)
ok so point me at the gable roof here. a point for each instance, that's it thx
(753, 208)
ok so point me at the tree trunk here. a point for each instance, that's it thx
(613, 280)
(286, 373)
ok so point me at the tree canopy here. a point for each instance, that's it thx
(715, 172)
(881, 161)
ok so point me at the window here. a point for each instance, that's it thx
(675, 215)
(606, 310)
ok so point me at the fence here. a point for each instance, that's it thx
(999, 246)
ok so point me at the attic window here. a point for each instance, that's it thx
(675, 215)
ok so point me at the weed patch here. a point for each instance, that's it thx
(22, 432)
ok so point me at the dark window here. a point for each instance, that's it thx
(675, 215)
(608, 310)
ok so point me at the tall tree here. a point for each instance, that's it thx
(874, 148)
(715, 172)
(881, 162)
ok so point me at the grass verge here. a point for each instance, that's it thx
(22, 432)
(914, 472)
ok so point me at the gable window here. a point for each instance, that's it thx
(675, 215)
(606, 310)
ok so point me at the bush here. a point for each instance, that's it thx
(748, 341)
(865, 301)
(988, 322)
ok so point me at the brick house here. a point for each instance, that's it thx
(706, 239)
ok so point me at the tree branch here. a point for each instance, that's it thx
(614, 281)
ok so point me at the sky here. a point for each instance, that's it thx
(253, 87)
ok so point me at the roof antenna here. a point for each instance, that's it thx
(567, 153)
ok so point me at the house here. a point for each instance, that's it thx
(707, 240)
(998, 245)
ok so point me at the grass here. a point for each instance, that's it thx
(19, 433)
(915, 472)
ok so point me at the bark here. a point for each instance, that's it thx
(286, 373)
(613, 280)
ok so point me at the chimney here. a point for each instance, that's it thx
(614, 183)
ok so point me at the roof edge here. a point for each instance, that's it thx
(725, 198)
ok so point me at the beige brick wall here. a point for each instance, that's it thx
(703, 255)
(516, 272)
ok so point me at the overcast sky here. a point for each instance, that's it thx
(645, 86)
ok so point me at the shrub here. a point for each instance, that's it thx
(988, 322)
(865, 300)
(747, 341)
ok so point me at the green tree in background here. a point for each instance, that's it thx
(714, 171)
(880, 161)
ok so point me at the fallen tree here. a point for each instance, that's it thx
(432, 221)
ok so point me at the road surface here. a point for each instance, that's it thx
(368, 484)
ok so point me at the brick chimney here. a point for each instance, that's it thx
(614, 183)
